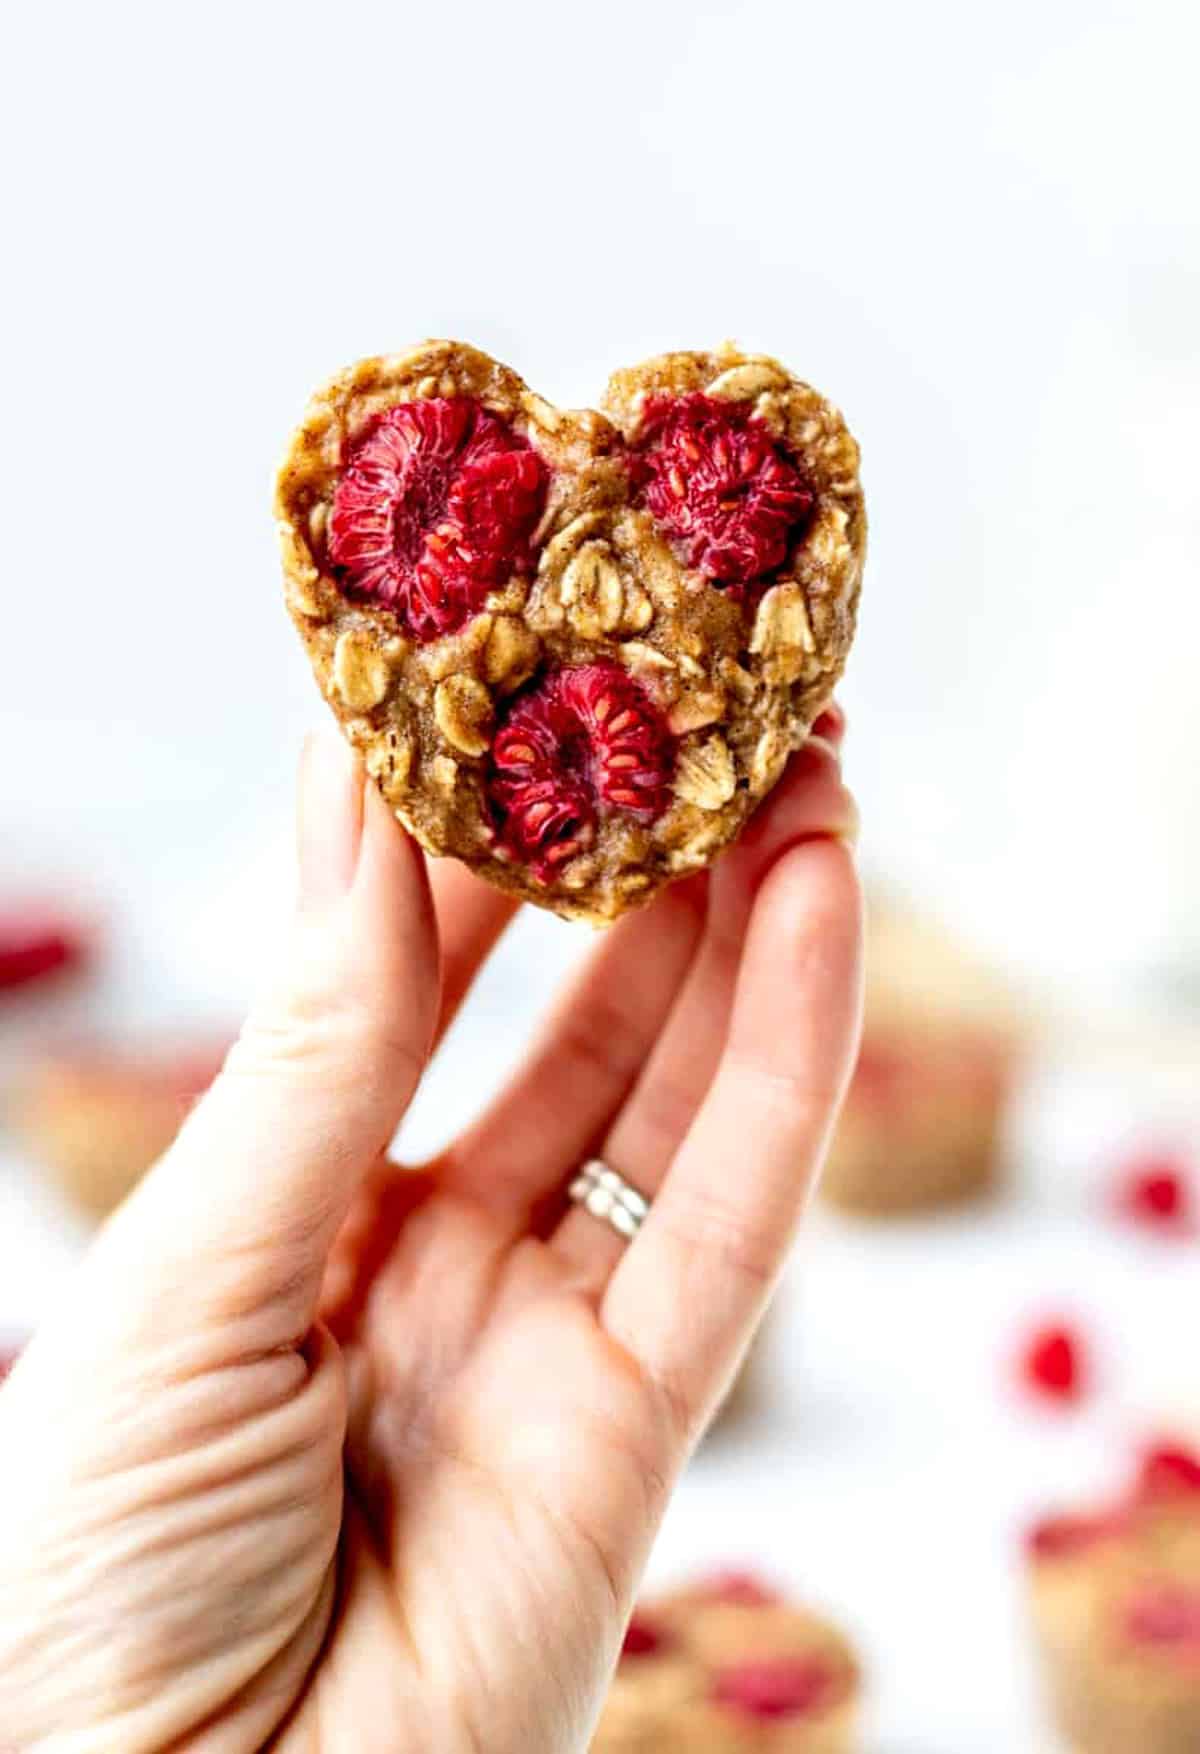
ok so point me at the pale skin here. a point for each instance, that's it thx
(328, 1457)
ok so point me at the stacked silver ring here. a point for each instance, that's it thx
(609, 1197)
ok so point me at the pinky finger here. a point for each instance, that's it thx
(685, 1298)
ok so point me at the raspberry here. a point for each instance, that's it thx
(767, 1688)
(434, 510)
(1156, 1191)
(1168, 1469)
(1052, 1364)
(7, 1360)
(1059, 1537)
(1166, 1614)
(739, 1589)
(577, 742)
(713, 478)
(642, 1639)
(34, 944)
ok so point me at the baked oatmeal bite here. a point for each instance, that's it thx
(1115, 1593)
(923, 1125)
(575, 649)
(729, 1666)
(94, 1115)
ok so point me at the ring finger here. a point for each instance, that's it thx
(645, 1135)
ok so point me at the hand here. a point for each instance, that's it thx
(327, 1455)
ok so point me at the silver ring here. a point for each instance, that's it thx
(609, 1197)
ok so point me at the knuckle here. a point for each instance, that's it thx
(334, 1044)
(678, 1407)
(665, 1110)
(601, 1045)
(716, 1234)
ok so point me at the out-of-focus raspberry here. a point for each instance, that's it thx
(770, 1689)
(1053, 1364)
(1061, 1537)
(643, 1638)
(1157, 1191)
(1166, 1615)
(1166, 1470)
(36, 942)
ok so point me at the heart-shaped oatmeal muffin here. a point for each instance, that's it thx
(575, 649)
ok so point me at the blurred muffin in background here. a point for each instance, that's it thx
(1115, 1594)
(923, 1118)
(728, 1666)
(95, 1116)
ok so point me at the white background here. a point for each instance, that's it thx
(978, 230)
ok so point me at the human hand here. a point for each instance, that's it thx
(316, 1453)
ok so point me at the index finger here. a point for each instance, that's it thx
(471, 915)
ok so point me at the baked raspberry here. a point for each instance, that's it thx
(1061, 1537)
(774, 1689)
(1168, 1469)
(434, 510)
(1053, 1364)
(714, 479)
(1156, 1191)
(34, 944)
(739, 1589)
(579, 741)
(1168, 1615)
(643, 1638)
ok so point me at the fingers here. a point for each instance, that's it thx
(810, 801)
(830, 726)
(471, 916)
(584, 1063)
(243, 1208)
(685, 1296)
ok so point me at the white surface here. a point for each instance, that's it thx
(978, 230)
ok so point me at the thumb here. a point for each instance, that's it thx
(238, 1217)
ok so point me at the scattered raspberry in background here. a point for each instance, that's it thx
(714, 479)
(642, 1638)
(8, 1357)
(1053, 1364)
(434, 510)
(1157, 1190)
(578, 740)
(35, 943)
(1166, 1469)
(774, 1688)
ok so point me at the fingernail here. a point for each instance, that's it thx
(851, 831)
(329, 819)
(830, 726)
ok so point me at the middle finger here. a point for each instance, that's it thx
(649, 1129)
